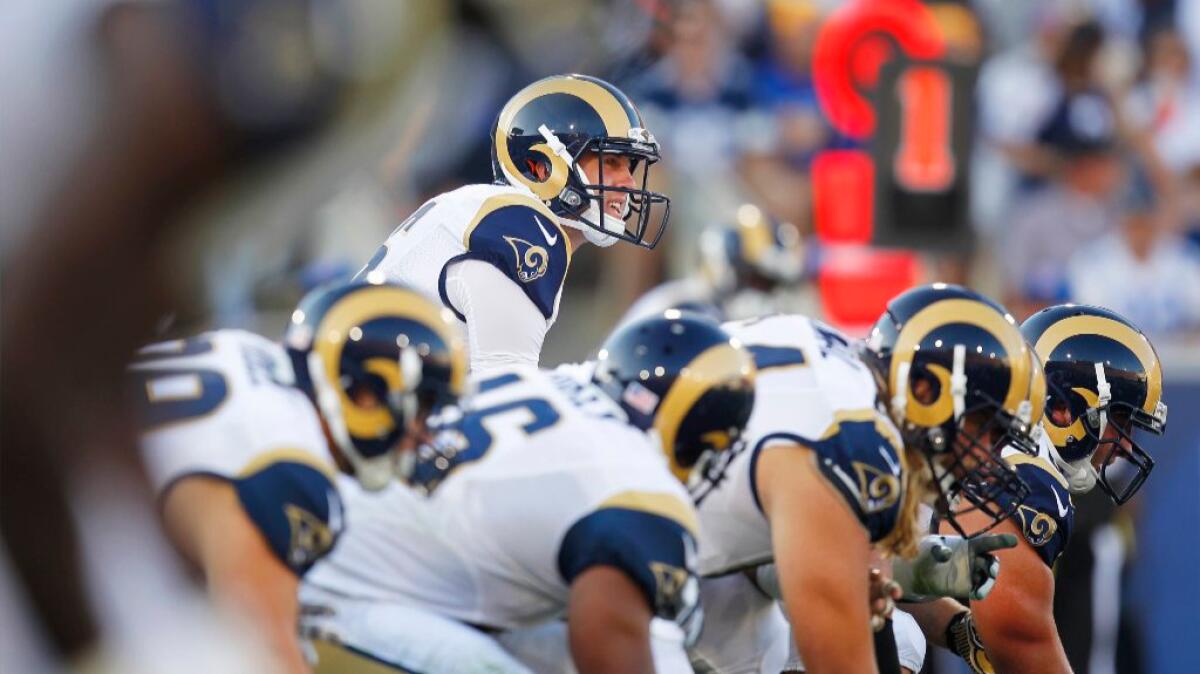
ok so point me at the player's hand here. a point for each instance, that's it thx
(884, 593)
(963, 639)
(951, 566)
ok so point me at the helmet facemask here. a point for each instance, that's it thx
(970, 475)
(1109, 427)
(964, 452)
(584, 202)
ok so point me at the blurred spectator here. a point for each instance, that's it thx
(1072, 211)
(1165, 102)
(1141, 270)
(784, 90)
(699, 100)
(1016, 92)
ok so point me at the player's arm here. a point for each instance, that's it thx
(207, 522)
(504, 326)
(506, 285)
(822, 554)
(627, 562)
(1016, 620)
(609, 623)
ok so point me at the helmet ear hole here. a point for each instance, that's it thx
(538, 168)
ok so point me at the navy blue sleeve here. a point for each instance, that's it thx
(1047, 514)
(296, 508)
(863, 464)
(656, 552)
(528, 247)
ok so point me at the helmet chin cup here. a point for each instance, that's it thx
(376, 472)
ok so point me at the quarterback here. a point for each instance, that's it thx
(571, 158)
(548, 499)
(242, 437)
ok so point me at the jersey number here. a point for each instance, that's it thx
(472, 438)
(167, 396)
(383, 250)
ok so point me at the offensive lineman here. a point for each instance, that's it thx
(567, 152)
(843, 446)
(1104, 380)
(242, 436)
(550, 498)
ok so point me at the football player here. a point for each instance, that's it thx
(844, 444)
(749, 267)
(1103, 382)
(550, 498)
(242, 436)
(571, 158)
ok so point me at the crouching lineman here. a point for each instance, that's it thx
(1103, 381)
(242, 436)
(550, 498)
(572, 158)
(844, 444)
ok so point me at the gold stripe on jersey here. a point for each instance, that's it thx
(336, 659)
(718, 365)
(948, 312)
(286, 455)
(1016, 459)
(882, 425)
(656, 503)
(1117, 331)
(495, 203)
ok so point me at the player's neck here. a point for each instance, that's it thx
(576, 237)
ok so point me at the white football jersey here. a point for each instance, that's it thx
(811, 390)
(502, 225)
(223, 404)
(541, 479)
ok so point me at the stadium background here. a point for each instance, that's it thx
(1053, 153)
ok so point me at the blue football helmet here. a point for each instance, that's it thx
(682, 376)
(544, 130)
(1104, 380)
(754, 252)
(373, 358)
(956, 376)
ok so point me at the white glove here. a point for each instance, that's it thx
(951, 566)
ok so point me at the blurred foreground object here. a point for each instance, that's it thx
(186, 91)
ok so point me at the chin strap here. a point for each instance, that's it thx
(1081, 475)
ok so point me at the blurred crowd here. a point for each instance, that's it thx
(1083, 178)
(1085, 150)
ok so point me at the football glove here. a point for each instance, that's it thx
(952, 566)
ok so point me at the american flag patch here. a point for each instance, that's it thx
(640, 398)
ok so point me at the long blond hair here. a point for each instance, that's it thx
(918, 488)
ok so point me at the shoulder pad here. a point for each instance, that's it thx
(293, 502)
(650, 538)
(860, 455)
(1047, 515)
(524, 240)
